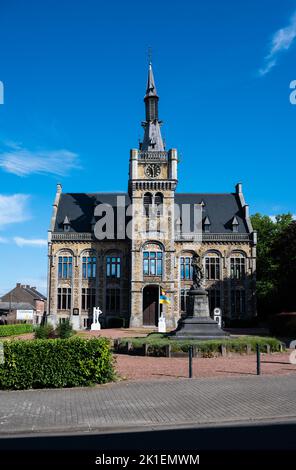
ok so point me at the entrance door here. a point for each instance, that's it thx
(150, 305)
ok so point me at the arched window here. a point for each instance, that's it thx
(237, 266)
(152, 260)
(147, 202)
(89, 266)
(158, 202)
(113, 267)
(212, 266)
(185, 267)
(65, 266)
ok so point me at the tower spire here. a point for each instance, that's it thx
(152, 135)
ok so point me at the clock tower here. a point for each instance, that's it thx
(152, 185)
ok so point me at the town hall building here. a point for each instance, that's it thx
(118, 251)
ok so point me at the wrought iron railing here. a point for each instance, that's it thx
(214, 237)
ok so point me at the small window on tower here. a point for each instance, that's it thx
(158, 200)
(147, 203)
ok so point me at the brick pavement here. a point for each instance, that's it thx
(149, 404)
(147, 368)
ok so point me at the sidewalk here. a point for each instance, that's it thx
(158, 404)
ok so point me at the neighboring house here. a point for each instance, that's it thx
(124, 273)
(24, 295)
(14, 312)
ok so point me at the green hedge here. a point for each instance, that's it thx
(156, 344)
(10, 330)
(56, 363)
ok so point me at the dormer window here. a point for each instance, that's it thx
(207, 225)
(66, 224)
(235, 224)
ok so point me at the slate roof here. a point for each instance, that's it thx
(219, 208)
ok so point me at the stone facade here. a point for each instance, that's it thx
(155, 250)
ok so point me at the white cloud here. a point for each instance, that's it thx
(13, 209)
(23, 162)
(21, 242)
(281, 41)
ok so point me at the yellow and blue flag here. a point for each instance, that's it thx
(163, 298)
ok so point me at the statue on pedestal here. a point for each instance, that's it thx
(197, 323)
(96, 323)
(197, 272)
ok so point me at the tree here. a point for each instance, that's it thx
(270, 231)
(284, 253)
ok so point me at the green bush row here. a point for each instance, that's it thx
(19, 329)
(56, 363)
(157, 342)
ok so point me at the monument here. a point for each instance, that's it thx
(96, 323)
(197, 323)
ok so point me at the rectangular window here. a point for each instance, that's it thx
(65, 267)
(184, 299)
(113, 301)
(238, 302)
(64, 298)
(185, 267)
(152, 263)
(88, 299)
(89, 267)
(237, 268)
(214, 299)
(113, 267)
(212, 268)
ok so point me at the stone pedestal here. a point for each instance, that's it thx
(75, 320)
(95, 326)
(197, 324)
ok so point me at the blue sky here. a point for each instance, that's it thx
(74, 76)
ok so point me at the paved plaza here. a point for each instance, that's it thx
(158, 404)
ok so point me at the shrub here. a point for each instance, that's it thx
(44, 331)
(10, 330)
(65, 330)
(56, 363)
(283, 324)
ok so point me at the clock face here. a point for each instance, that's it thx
(152, 170)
